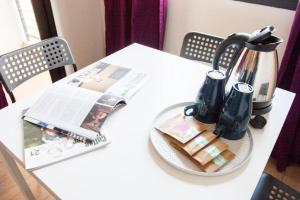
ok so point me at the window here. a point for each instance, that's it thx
(28, 21)
(286, 4)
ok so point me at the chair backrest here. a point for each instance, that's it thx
(20, 65)
(202, 47)
(269, 187)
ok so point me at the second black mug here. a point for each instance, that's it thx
(210, 98)
(236, 112)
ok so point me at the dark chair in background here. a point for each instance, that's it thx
(269, 187)
(20, 65)
(202, 47)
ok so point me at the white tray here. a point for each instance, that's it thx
(242, 148)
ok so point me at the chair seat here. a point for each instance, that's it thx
(271, 188)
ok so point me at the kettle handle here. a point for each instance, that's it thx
(237, 39)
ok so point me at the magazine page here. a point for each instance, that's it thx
(128, 85)
(82, 109)
(111, 79)
(74, 110)
(44, 146)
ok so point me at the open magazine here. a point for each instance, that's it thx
(44, 146)
(80, 106)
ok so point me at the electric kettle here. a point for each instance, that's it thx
(255, 62)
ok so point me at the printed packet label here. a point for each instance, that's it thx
(212, 150)
(201, 141)
(220, 160)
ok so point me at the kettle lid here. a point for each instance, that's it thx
(262, 40)
(261, 35)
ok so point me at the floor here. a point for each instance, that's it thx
(10, 191)
(291, 176)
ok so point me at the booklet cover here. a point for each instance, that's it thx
(44, 146)
(81, 105)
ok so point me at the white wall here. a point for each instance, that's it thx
(11, 32)
(82, 24)
(222, 17)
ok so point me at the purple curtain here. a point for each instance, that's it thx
(287, 148)
(128, 21)
(3, 102)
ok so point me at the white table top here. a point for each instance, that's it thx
(129, 167)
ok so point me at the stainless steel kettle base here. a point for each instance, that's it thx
(261, 105)
(261, 111)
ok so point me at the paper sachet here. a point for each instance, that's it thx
(210, 152)
(214, 165)
(181, 129)
(199, 142)
(218, 162)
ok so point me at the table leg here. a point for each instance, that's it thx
(16, 174)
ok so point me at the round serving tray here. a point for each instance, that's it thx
(242, 148)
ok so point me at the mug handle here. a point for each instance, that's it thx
(219, 131)
(190, 110)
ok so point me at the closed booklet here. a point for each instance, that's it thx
(44, 146)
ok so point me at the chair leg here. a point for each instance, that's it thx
(16, 174)
(12, 97)
(75, 67)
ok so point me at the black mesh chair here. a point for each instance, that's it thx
(202, 47)
(18, 66)
(269, 188)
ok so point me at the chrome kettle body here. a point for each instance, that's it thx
(255, 62)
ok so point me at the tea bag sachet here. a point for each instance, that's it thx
(200, 141)
(197, 143)
(210, 152)
(214, 165)
(181, 129)
(218, 162)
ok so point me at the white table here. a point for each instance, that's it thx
(129, 168)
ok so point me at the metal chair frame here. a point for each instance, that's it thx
(20, 65)
(269, 187)
(202, 47)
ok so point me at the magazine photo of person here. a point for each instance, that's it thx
(95, 118)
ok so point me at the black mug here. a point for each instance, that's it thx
(235, 115)
(210, 98)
